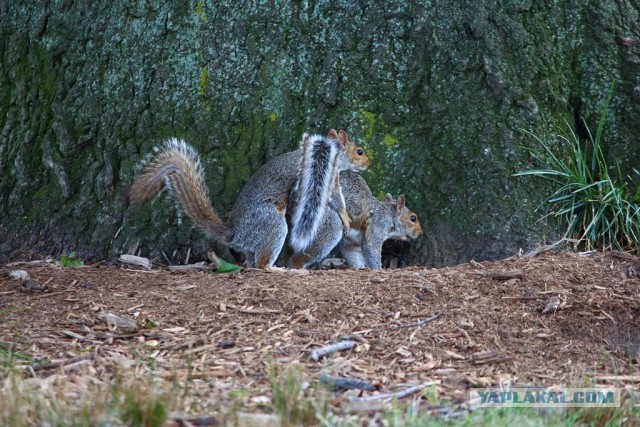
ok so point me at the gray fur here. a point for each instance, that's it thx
(314, 187)
(256, 225)
(373, 222)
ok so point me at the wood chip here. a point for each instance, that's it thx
(552, 305)
(118, 320)
(135, 260)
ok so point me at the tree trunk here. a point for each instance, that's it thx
(437, 91)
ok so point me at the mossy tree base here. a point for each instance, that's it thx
(437, 92)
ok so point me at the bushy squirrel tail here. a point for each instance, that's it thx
(316, 178)
(176, 166)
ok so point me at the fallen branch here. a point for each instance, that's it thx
(420, 323)
(16, 263)
(398, 395)
(319, 353)
(198, 266)
(630, 378)
(500, 275)
(260, 311)
(506, 275)
(135, 260)
(179, 420)
(546, 248)
(623, 255)
(339, 383)
(540, 249)
(487, 357)
(62, 362)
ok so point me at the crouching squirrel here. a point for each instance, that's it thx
(372, 222)
(256, 225)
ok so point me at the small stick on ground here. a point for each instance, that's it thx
(398, 395)
(30, 286)
(259, 311)
(540, 249)
(179, 420)
(135, 260)
(628, 378)
(203, 266)
(62, 362)
(420, 323)
(340, 383)
(319, 353)
(500, 275)
(507, 275)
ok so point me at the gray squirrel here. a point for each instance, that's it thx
(256, 225)
(317, 187)
(372, 222)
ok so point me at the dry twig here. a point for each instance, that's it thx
(398, 395)
(319, 353)
(420, 323)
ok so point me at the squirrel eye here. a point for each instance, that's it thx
(413, 218)
(360, 152)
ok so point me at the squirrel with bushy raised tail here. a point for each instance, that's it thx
(318, 186)
(372, 223)
(256, 225)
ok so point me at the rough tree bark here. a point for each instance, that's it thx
(438, 92)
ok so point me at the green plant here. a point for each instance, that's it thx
(599, 210)
(9, 356)
(70, 260)
(292, 401)
(227, 267)
(139, 408)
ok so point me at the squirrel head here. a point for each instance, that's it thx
(406, 219)
(357, 158)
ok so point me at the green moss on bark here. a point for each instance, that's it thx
(436, 91)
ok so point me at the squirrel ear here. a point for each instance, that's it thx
(343, 139)
(400, 203)
(388, 198)
(333, 134)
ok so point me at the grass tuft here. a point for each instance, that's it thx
(600, 210)
(55, 401)
(293, 400)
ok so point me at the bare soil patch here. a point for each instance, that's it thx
(224, 331)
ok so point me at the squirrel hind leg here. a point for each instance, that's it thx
(267, 240)
(328, 237)
(299, 261)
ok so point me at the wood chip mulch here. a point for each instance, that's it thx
(225, 331)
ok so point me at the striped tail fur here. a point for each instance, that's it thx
(315, 183)
(176, 166)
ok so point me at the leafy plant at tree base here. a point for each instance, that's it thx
(602, 212)
(227, 267)
(71, 260)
